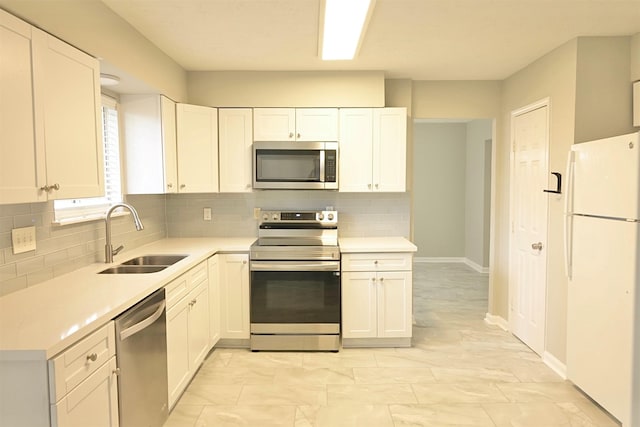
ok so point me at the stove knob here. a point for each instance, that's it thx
(265, 217)
(330, 216)
(320, 217)
(274, 217)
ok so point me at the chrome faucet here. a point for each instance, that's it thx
(109, 252)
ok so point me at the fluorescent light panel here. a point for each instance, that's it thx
(343, 27)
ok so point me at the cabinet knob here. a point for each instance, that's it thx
(244, 261)
(369, 185)
(290, 134)
(298, 135)
(116, 371)
(92, 357)
(169, 185)
(376, 186)
(193, 302)
(381, 279)
(375, 262)
(183, 185)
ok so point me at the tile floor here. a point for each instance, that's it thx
(459, 372)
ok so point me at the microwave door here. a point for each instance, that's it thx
(288, 169)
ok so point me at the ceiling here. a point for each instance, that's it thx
(413, 39)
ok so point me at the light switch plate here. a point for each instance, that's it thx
(23, 239)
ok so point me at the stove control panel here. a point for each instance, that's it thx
(300, 217)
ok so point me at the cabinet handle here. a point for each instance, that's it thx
(92, 357)
(48, 188)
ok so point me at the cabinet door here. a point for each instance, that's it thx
(235, 139)
(355, 157)
(394, 304)
(21, 155)
(316, 124)
(234, 296)
(149, 123)
(67, 99)
(198, 326)
(197, 141)
(178, 374)
(274, 124)
(359, 312)
(389, 149)
(94, 402)
(214, 301)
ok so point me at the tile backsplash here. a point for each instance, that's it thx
(61, 249)
(360, 214)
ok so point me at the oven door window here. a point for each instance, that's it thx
(288, 166)
(295, 297)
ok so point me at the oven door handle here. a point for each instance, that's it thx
(295, 266)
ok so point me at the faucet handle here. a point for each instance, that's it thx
(118, 249)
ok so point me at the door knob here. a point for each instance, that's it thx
(536, 246)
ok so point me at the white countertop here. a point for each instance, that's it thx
(375, 244)
(38, 322)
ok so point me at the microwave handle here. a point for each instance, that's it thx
(321, 178)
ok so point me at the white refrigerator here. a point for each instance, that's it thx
(602, 259)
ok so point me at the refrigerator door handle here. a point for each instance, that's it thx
(568, 217)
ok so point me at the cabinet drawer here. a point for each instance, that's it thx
(176, 290)
(198, 275)
(75, 364)
(400, 261)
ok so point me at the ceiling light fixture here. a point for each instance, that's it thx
(343, 23)
(109, 80)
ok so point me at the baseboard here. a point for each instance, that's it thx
(556, 365)
(492, 319)
(466, 261)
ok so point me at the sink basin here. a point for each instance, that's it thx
(165, 260)
(133, 269)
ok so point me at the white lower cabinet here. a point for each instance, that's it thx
(187, 328)
(376, 299)
(234, 297)
(83, 382)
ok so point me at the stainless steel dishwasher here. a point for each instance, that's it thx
(141, 354)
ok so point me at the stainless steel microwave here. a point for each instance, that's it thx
(295, 165)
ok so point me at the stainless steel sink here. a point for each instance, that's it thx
(165, 260)
(133, 269)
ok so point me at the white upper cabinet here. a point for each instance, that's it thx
(235, 127)
(21, 163)
(373, 149)
(51, 126)
(295, 124)
(149, 124)
(197, 141)
(68, 107)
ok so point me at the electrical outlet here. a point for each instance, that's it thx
(256, 213)
(206, 214)
(23, 239)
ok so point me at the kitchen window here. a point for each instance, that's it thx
(79, 210)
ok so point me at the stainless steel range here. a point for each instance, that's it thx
(295, 282)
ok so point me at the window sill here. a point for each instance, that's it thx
(86, 218)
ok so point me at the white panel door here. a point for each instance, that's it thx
(359, 305)
(395, 304)
(214, 300)
(197, 141)
(316, 124)
(178, 373)
(600, 312)
(67, 92)
(234, 296)
(355, 150)
(168, 115)
(389, 149)
(274, 124)
(528, 269)
(235, 139)
(21, 160)
(198, 326)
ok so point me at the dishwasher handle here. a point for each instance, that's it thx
(134, 329)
